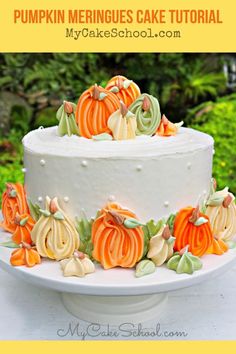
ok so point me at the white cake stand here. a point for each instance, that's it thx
(114, 296)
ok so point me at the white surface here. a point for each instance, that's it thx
(152, 176)
(205, 311)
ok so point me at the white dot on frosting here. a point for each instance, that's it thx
(84, 163)
(166, 203)
(66, 199)
(139, 167)
(40, 199)
(42, 162)
(189, 165)
(111, 198)
(23, 169)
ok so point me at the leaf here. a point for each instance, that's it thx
(58, 215)
(34, 210)
(170, 221)
(9, 244)
(153, 227)
(132, 223)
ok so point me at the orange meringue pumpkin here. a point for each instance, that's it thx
(13, 203)
(24, 225)
(94, 107)
(167, 128)
(25, 256)
(192, 228)
(115, 244)
(126, 90)
(218, 247)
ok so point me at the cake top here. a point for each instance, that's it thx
(47, 141)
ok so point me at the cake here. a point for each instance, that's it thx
(118, 184)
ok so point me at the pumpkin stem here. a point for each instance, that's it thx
(53, 206)
(227, 201)
(68, 108)
(214, 183)
(166, 234)
(96, 92)
(123, 109)
(79, 254)
(146, 104)
(184, 250)
(119, 82)
(17, 219)
(26, 245)
(118, 219)
(195, 215)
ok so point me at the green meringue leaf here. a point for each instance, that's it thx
(9, 244)
(153, 228)
(197, 263)
(185, 265)
(131, 223)
(34, 210)
(170, 221)
(84, 228)
(114, 89)
(58, 215)
(13, 193)
(127, 83)
(24, 221)
(45, 212)
(144, 267)
(173, 262)
(201, 221)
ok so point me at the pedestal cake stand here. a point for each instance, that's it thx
(114, 296)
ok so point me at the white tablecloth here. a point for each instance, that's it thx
(205, 311)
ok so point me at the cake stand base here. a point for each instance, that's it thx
(115, 310)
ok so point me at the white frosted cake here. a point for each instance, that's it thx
(117, 184)
(154, 176)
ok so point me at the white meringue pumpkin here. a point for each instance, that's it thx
(77, 265)
(54, 234)
(161, 246)
(122, 123)
(221, 210)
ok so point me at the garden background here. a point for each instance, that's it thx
(197, 88)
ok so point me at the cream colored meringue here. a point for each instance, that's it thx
(54, 234)
(123, 124)
(161, 247)
(223, 219)
(78, 265)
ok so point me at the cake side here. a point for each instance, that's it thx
(154, 176)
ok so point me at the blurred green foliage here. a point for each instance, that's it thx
(179, 80)
(218, 119)
(11, 163)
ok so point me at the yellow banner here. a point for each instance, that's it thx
(117, 26)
